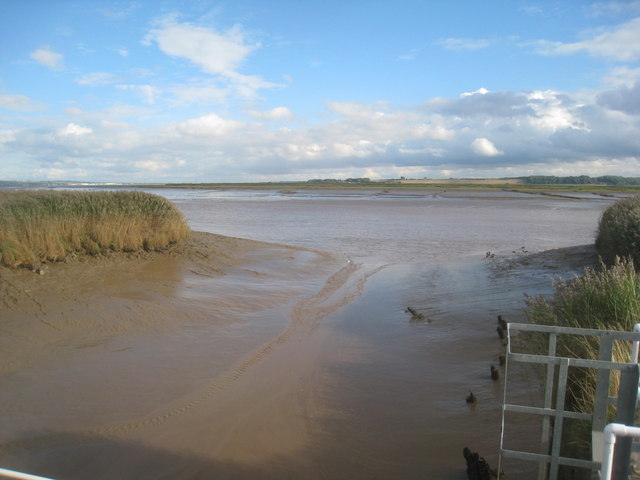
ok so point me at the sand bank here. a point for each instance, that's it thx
(227, 358)
(113, 346)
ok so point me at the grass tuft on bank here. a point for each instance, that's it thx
(46, 225)
(607, 298)
(619, 231)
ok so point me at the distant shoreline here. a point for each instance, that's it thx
(472, 184)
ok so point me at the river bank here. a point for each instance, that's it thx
(238, 359)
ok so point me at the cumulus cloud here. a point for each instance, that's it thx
(621, 42)
(213, 52)
(72, 129)
(206, 125)
(483, 102)
(622, 77)
(120, 11)
(410, 55)
(464, 43)
(47, 57)
(480, 91)
(218, 54)
(485, 147)
(487, 133)
(553, 111)
(97, 79)
(277, 113)
(624, 99)
(148, 93)
(20, 103)
(614, 8)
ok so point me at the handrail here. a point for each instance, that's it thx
(4, 473)
(611, 431)
(552, 411)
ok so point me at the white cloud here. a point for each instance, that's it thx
(479, 134)
(206, 125)
(620, 43)
(485, 147)
(121, 10)
(622, 77)
(198, 93)
(552, 112)
(20, 103)
(73, 129)
(532, 10)
(47, 57)
(614, 8)
(410, 55)
(97, 79)
(218, 54)
(148, 93)
(7, 136)
(464, 43)
(152, 165)
(277, 113)
(480, 91)
(214, 53)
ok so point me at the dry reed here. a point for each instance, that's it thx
(48, 225)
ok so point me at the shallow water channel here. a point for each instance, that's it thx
(399, 386)
(302, 378)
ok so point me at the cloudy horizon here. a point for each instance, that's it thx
(273, 91)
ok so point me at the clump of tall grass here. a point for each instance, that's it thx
(619, 231)
(47, 225)
(604, 298)
(607, 298)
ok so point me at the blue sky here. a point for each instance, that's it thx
(250, 90)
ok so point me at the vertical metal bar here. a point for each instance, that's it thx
(626, 412)
(504, 401)
(602, 386)
(548, 398)
(558, 418)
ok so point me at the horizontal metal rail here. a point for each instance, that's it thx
(611, 432)
(570, 462)
(532, 327)
(4, 473)
(553, 412)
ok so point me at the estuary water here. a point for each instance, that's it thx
(298, 362)
(396, 228)
(396, 387)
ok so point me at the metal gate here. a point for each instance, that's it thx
(552, 413)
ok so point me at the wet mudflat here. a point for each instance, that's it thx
(247, 360)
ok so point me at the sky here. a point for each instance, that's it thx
(279, 90)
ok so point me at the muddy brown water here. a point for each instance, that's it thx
(295, 363)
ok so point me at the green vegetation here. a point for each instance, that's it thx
(531, 184)
(47, 225)
(606, 299)
(580, 180)
(599, 185)
(619, 231)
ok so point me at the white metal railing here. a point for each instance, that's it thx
(552, 412)
(611, 431)
(20, 476)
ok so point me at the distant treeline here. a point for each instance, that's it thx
(333, 180)
(580, 180)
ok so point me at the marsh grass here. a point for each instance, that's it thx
(619, 231)
(607, 298)
(48, 225)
